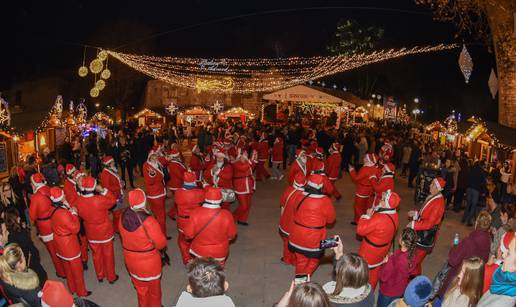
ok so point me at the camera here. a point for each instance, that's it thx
(329, 243)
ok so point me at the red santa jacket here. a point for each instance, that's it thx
(277, 151)
(384, 183)
(378, 232)
(40, 211)
(222, 177)
(111, 181)
(187, 200)
(141, 244)
(263, 150)
(430, 214)
(154, 180)
(232, 153)
(94, 211)
(70, 191)
(197, 165)
(243, 180)
(363, 180)
(332, 165)
(295, 168)
(176, 169)
(311, 215)
(288, 202)
(66, 226)
(213, 241)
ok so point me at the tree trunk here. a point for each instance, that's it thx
(500, 14)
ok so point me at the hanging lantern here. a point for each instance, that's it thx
(102, 55)
(493, 84)
(94, 92)
(100, 84)
(465, 63)
(83, 71)
(96, 66)
(105, 74)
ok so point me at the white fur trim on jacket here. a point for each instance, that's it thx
(102, 241)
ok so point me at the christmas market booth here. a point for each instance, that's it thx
(236, 113)
(149, 118)
(101, 119)
(8, 141)
(194, 116)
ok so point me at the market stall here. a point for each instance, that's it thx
(237, 113)
(101, 119)
(8, 141)
(194, 116)
(149, 118)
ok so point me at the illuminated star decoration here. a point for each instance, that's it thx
(171, 108)
(465, 63)
(217, 107)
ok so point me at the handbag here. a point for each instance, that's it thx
(439, 279)
(206, 225)
(164, 256)
(426, 238)
(228, 195)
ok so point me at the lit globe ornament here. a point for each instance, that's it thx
(106, 73)
(83, 71)
(100, 84)
(96, 66)
(94, 92)
(102, 55)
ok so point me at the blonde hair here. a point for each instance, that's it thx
(472, 282)
(4, 200)
(9, 273)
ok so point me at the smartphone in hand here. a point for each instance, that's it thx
(329, 243)
(300, 279)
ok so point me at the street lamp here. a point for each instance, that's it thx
(416, 112)
(416, 100)
(97, 105)
(373, 96)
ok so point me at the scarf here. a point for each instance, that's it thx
(504, 283)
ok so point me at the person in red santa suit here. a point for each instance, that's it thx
(277, 158)
(142, 240)
(176, 169)
(111, 181)
(364, 189)
(40, 212)
(288, 201)
(244, 185)
(318, 168)
(55, 294)
(222, 174)
(383, 183)
(211, 228)
(197, 164)
(93, 205)
(377, 228)
(315, 159)
(82, 233)
(69, 185)
(66, 226)
(154, 180)
(263, 156)
(242, 143)
(332, 167)
(426, 221)
(298, 166)
(230, 149)
(386, 152)
(188, 198)
(311, 215)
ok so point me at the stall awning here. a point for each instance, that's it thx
(303, 93)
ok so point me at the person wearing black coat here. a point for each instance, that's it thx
(415, 156)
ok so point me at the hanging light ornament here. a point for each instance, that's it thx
(102, 55)
(171, 108)
(83, 70)
(217, 107)
(96, 66)
(493, 83)
(105, 74)
(465, 63)
(94, 92)
(100, 84)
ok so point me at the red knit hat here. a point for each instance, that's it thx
(136, 198)
(88, 183)
(506, 241)
(107, 159)
(189, 177)
(56, 194)
(69, 169)
(54, 294)
(174, 153)
(439, 183)
(299, 180)
(392, 199)
(38, 179)
(213, 195)
(389, 167)
(315, 181)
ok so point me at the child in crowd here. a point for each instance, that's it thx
(466, 288)
(417, 294)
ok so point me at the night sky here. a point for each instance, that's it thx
(45, 38)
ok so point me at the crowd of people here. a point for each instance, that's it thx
(78, 205)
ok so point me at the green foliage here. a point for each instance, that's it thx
(352, 38)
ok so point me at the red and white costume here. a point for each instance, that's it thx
(109, 178)
(154, 180)
(221, 174)
(378, 231)
(263, 157)
(332, 167)
(288, 201)
(142, 240)
(94, 211)
(66, 226)
(386, 151)
(176, 170)
(211, 240)
(317, 166)
(364, 188)
(197, 163)
(311, 215)
(428, 217)
(40, 212)
(69, 186)
(244, 186)
(71, 197)
(299, 166)
(384, 183)
(277, 151)
(186, 199)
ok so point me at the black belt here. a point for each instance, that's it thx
(309, 227)
(183, 216)
(135, 251)
(374, 244)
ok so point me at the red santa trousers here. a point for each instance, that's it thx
(184, 247)
(158, 208)
(104, 260)
(226, 205)
(288, 256)
(419, 256)
(336, 192)
(261, 171)
(374, 275)
(75, 276)
(360, 207)
(241, 213)
(83, 241)
(173, 211)
(305, 265)
(58, 263)
(149, 292)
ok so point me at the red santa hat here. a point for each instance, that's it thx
(319, 151)
(315, 181)
(299, 152)
(77, 175)
(220, 153)
(506, 240)
(173, 153)
(370, 158)
(137, 199)
(70, 169)
(88, 183)
(154, 151)
(213, 195)
(107, 160)
(389, 167)
(38, 180)
(392, 199)
(207, 158)
(277, 140)
(56, 194)
(439, 183)
(336, 147)
(54, 294)
(317, 165)
(189, 178)
(299, 180)
(195, 148)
